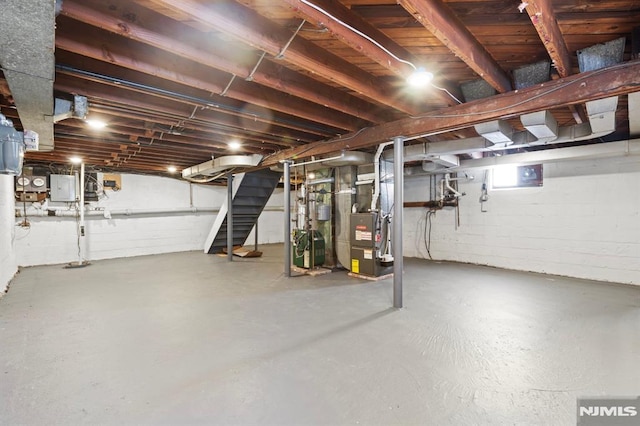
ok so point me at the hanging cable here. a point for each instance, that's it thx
(447, 92)
(360, 33)
(427, 231)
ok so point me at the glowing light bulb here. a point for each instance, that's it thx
(96, 124)
(420, 78)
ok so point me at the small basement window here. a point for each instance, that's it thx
(513, 176)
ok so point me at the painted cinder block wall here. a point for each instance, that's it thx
(583, 222)
(8, 264)
(53, 240)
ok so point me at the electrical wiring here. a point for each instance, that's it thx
(427, 231)
(447, 92)
(360, 33)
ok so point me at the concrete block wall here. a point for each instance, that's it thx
(584, 222)
(53, 240)
(8, 264)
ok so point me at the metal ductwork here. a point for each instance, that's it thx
(76, 108)
(27, 30)
(213, 169)
(498, 132)
(601, 150)
(541, 127)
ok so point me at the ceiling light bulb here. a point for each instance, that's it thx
(234, 145)
(96, 124)
(172, 169)
(420, 78)
(75, 160)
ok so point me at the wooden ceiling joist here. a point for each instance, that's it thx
(267, 75)
(393, 57)
(614, 81)
(447, 27)
(249, 27)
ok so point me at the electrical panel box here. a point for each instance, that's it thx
(63, 188)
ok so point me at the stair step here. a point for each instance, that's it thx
(248, 203)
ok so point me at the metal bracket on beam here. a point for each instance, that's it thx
(253, 71)
(63, 108)
(226, 89)
(280, 54)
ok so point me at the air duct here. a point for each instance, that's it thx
(498, 132)
(27, 30)
(213, 169)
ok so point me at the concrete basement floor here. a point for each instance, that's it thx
(190, 338)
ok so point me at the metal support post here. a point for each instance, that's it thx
(81, 239)
(398, 203)
(256, 236)
(287, 219)
(229, 216)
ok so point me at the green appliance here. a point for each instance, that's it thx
(308, 252)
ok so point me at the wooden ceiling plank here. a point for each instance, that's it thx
(266, 98)
(393, 59)
(249, 27)
(149, 103)
(613, 81)
(278, 79)
(444, 24)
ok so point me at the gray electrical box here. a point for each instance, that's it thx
(63, 188)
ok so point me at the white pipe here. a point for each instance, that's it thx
(319, 160)
(447, 183)
(64, 212)
(376, 171)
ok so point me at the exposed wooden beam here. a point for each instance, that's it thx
(257, 95)
(249, 27)
(362, 44)
(544, 20)
(192, 125)
(438, 18)
(181, 112)
(220, 58)
(613, 81)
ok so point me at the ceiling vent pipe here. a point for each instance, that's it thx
(213, 169)
(542, 129)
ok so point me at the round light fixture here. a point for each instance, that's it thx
(172, 169)
(420, 78)
(96, 124)
(234, 145)
(75, 160)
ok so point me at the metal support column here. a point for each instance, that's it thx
(81, 239)
(287, 219)
(255, 245)
(230, 217)
(398, 203)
